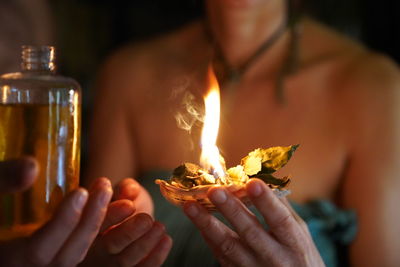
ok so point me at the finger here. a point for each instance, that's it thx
(142, 247)
(128, 188)
(278, 217)
(17, 174)
(117, 212)
(118, 238)
(159, 253)
(246, 224)
(80, 240)
(223, 260)
(45, 243)
(285, 201)
(222, 240)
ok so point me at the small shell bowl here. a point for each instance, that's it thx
(178, 196)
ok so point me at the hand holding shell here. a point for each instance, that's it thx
(190, 182)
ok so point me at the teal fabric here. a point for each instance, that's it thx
(332, 229)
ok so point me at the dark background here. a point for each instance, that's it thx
(88, 30)
(98, 27)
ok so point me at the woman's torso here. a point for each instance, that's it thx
(315, 113)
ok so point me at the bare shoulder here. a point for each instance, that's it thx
(361, 87)
(372, 80)
(369, 102)
(357, 72)
(374, 72)
(323, 44)
(371, 93)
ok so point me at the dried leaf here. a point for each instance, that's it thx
(267, 160)
(271, 180)
(182, 182)
(237, 175)
(259, 163)
(277, 157)
(186, 170)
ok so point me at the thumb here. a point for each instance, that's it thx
(128, 188)
(17, 174)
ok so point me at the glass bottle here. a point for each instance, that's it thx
(39, 117)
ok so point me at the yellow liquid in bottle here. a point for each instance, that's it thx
(51, 134)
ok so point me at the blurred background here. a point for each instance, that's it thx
(86, 31)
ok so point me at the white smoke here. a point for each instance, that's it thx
(191, 113)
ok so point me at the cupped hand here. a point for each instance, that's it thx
(128, 237)
(131, 190)
(17, 174)
(65, 239)
(287, 242)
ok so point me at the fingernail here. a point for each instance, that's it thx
(104, 182)
(132, 187)
(80, 199)
(218, 196)
(192, 210)
(131, 190)
(254, 189)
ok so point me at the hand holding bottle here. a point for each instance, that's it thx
(65, 239)
(39, 117)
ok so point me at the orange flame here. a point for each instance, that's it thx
(210, 158)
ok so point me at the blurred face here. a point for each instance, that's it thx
(236, 3)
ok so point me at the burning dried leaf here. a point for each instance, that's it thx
(186, 170)
(205, 178)
(191, 182)
(237, 174)
(182, 182)
(252, 164)
(189, 175)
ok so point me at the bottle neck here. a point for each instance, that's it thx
(38, 59)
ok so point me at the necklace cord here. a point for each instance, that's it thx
(235, 73)
(290, 66)
(232, 74)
